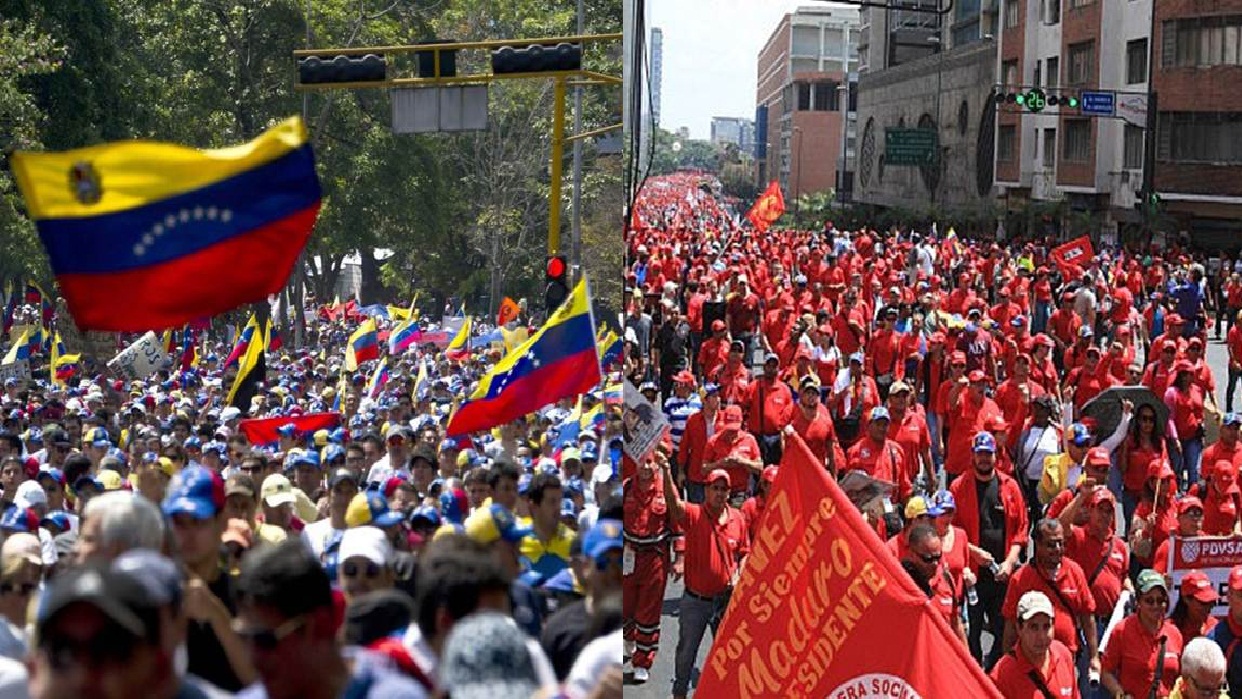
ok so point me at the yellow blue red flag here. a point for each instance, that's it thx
(145, 235)
(559, 361)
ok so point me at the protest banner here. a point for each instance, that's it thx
(140, 359)
(822, 608)
(645, 424)
(1214, 555)
(19, 370)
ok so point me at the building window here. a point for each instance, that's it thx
(825, 99)
(1136, 61)
(1075, 4)
(1050, 148)
(1200, 137)
(1077, 140)
(1202, 41)
(1009, 73)
(1050, 11)
(1133, 158)
(1036, 78)
(1006, 143)
(1053, 72)
(804, 96)
(963, 114)
(1081, 63)
(1012, 18)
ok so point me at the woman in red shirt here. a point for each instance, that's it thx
(1142, 642)
(1221, 500)
(1193, 613)
(1145, 443)
(1155, 518)
(1185, 400)
(954, 547)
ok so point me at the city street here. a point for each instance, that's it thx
(659, 685)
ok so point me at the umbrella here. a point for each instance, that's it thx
(1105, 408)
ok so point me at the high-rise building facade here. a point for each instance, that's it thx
(657, 71)
(737, 131)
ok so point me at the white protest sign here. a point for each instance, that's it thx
(140, 359)
(19, 370)
(645, 424)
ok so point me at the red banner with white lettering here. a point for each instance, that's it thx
(1074, 255)
(822, 608)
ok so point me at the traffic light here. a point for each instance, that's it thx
(536, 58)
(1144, 200)
(318, 70)
(427, 60)
(1035, 100)
(558, 283)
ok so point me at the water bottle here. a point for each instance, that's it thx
(972, 596)
(994, 569)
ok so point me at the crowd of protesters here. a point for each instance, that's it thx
(974, 383)
(150, 549)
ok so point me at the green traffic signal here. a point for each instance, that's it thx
(1072, 102)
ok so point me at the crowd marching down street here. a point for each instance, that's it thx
(1030, 426)
(403, 506)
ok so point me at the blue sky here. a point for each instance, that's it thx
(710, 49)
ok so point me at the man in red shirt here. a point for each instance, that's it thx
(645, 565)
(714, 351)
(969, 410)
(992, 513)
(1066, 586)
(1095, 547)
(1037, 653)
(700, 427)
(734, 378)
(923, 560)
(879, 456)
(908, 428)
(752, 509)
(1233, 342)
(734, 451)
(770, 407)
(1227, 447)
(742, 311)
(716, 544)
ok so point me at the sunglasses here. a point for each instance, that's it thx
(112, 646)
(369, 571)
(931, 557)
(1154, 600)
(25, 589)
(268, 639)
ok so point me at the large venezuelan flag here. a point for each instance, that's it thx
(558, 362)
(148, 235)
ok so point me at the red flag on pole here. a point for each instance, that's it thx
(769, 207)
(824, 610)
(1073, 255)
(509, 310)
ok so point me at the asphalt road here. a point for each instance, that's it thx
(659, 686)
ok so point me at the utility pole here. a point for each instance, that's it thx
(1149, 136)
(576, 225)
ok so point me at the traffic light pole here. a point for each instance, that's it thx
(557, 165)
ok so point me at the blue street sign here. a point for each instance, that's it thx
(1098, 103)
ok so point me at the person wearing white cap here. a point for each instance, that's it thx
(601, 487)
(365, 562)
(21, 571)
(31, 496)
(1039, 665)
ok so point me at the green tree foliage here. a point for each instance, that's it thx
(211, 73)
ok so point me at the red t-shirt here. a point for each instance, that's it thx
(739, 444)
(1072, 585)
(1012, 675)
(1131, 656)
(1087, 551)
(712, 549)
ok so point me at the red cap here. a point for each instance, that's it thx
(684, 377)
(718, 474)
(1101, 495)
(1160, 469)
(733, 417)
(1173, 319)
(1099, 456)
(1235, 578)
(957, 357)
(1188, 503)
(1197, 586)
(976, 376)
(718, 325)
(937, 338)
(1182, 365)
(996, 423)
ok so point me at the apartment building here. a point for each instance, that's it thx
(805, 101)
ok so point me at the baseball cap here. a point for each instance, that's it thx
(916, 507)
(857, 357)
(899, 387)
(366, 542)
(454, 505)
(486, 657)
(488, 524)
(23, 545)
(1079, 435)
(605, 536)
(341, 474)
(120, 596)
(717, 474)
(427, 513)
(277, 491)
(1032, 603)
(1101, 495)
(957, 357)
(1149, 579)
(733, 417)
(879, 412)
(370, 508)
(769, 474)
(976, 376)
(1099, 456)
(945, 501)
(1189, 503)
(1232, 419)
(1235, 578)
(984, 442)
(197, 491)
(29, 494)
(1197, 586)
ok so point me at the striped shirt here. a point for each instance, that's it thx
(678, 410)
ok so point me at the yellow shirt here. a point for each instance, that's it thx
(1058, 471)
(550, 558)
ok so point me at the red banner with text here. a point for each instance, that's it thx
(1072, 257)
(822, 609)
